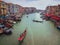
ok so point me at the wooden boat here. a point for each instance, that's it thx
(22, 36)
(57, 24)
(1, 20)
(8, 31)
(37, 21)
(1, 31)
(17, 19)
(11, 21)
(9, 25)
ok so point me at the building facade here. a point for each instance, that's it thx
(3, 8)
(10, 9)
(53, 10)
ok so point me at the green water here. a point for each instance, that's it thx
(37, 33)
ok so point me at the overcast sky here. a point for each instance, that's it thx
(39, 4)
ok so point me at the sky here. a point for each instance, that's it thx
(39, 4)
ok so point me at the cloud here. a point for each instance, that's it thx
(40, 4)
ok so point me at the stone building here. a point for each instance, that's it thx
(53, 10)
(3, 8)
(10, 9)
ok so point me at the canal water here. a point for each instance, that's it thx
(38, 33)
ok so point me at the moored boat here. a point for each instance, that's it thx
(1, 31)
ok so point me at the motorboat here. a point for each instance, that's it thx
(37, 21)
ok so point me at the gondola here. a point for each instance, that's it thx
(22, 36)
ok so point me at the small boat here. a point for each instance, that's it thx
(22, 36)
(57, 25)
(1, 20)
(8, 31)
(1, 25)
(37, 21)
(1, 31)
(9, 25)
(10, 21)
(14, 22)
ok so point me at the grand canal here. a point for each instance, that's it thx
(44, 33)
